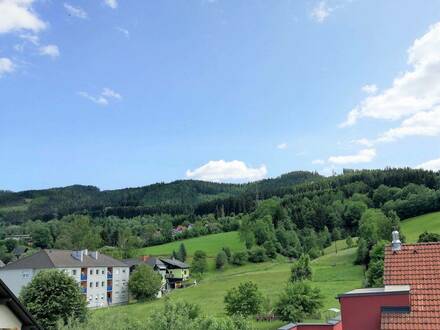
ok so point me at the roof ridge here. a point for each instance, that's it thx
(20, 260)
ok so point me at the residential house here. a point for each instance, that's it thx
(13, 315)
(177, 272)
(102, 279)
(153, 262)
(409, 300)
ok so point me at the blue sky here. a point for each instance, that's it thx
(127, 93)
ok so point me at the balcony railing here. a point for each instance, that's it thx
(83, 290)
(83, 277)
(109, 288)
(109, 276)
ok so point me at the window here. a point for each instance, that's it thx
(97, 284)
(91, 271)
(123, 271)
(102, 272)
(91, 284)
(97, 272)
(74, 272)
(102, 283)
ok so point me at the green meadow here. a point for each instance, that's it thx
(413, 227)
(332, 273)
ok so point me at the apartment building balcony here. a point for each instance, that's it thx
(83, 277)
(109, 276)
(109, 288)
(83, 290)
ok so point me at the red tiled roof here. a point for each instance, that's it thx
(417, 265)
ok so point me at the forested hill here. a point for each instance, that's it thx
(178, 197)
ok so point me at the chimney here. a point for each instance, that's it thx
(94, 254)
(396, 244)
(144, 258)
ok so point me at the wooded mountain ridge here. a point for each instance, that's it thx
(177, 197)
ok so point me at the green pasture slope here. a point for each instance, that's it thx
(332, 273)
(413, 227)
(211, 244)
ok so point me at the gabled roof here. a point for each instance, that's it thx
(14, 305)
(45, 259)
(151, 261)
(174, 263)
(416, 265)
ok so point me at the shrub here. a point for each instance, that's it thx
(244, 300)
(270, 249)
(429, 237)
(186, 316)
(239, 258)
(349, 242)
(298, 301)
(144, 283)
(221, 260)
(181, 254)
(257, 254)
(301, 269)
(227, 252)
(199, 264)
(52, 297)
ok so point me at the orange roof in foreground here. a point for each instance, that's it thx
(417, 265)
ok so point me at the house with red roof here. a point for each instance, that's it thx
(409, 300)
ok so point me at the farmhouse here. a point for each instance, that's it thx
(157, 265)
(13, 315)
(409, 300)
(177, 272)
(102, 279)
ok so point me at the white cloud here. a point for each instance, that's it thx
(103, 98)
(75, 11)
(16, 15)
(32, 38)
(6, 66)
(318, 162)
(370, 89)
(416, 90)
(50, 50)
(433, 165)
(321, 11)
(363, 142)
(123, 31)
(363, 156)
(113, 4)
(109, 93)
(282, 146)
(222, 171)
(425, 123)
(96, 99)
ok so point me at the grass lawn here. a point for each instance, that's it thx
(332, 273)
(211, 244)
(413, 227)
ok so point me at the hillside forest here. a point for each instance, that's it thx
(294, 214)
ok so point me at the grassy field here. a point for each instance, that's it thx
(332, 273)
(211, 244)
(413, 227)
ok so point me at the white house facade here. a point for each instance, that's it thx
(102, 280)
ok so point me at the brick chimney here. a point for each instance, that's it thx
(144, 258)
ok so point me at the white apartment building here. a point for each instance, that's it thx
(102, 279)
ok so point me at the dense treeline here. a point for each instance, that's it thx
(294, 214)
(176, 198)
